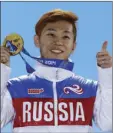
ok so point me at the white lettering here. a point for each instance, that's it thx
(46, 107)
(43, 111)
(64, 116)
(50, 62)
(71, 111)
(37, 110)
(79, 112)
(26, 111)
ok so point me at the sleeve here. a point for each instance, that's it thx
(103, 102)
(7, 110)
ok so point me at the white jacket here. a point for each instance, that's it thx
(102, 111)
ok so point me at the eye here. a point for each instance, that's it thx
(66, 37)
(51, 34)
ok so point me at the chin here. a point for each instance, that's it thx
(55, 57)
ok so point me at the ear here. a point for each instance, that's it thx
(36, 41)
(74, 46)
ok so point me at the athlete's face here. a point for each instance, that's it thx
(56, 40)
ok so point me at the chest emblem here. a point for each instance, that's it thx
(35, 91)
(74, 88)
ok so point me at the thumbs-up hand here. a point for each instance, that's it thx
(104, 60)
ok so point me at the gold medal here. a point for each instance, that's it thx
(14, 43)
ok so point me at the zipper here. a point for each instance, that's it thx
(55, 104)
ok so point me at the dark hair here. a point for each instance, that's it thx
(56, 15)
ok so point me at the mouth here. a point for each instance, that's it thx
(56, 51)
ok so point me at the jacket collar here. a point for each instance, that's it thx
(54, 70)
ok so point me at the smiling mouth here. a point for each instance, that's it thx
(56, 51)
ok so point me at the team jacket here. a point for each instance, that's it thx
(54, 99)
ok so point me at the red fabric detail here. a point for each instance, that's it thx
(18, 105)
(87, 104)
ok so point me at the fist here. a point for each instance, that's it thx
(104, 60)
(4, 55)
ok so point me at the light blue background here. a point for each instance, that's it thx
(94, 27)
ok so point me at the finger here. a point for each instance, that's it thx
(102, 63)
(104, 46)
(4, 53)
(106, 62)
(4, 60)
(104, 58)
(4, 56)
(100, 54)
(4, 49)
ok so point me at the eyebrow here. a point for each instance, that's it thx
(50, 29)
(66, 31)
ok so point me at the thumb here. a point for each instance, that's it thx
(104, 46)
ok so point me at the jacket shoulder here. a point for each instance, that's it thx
(20, 80)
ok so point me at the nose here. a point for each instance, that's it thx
(58, 42)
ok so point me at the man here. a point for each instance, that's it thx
(54, 99)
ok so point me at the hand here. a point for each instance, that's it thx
(4, 56)
(104, 60)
